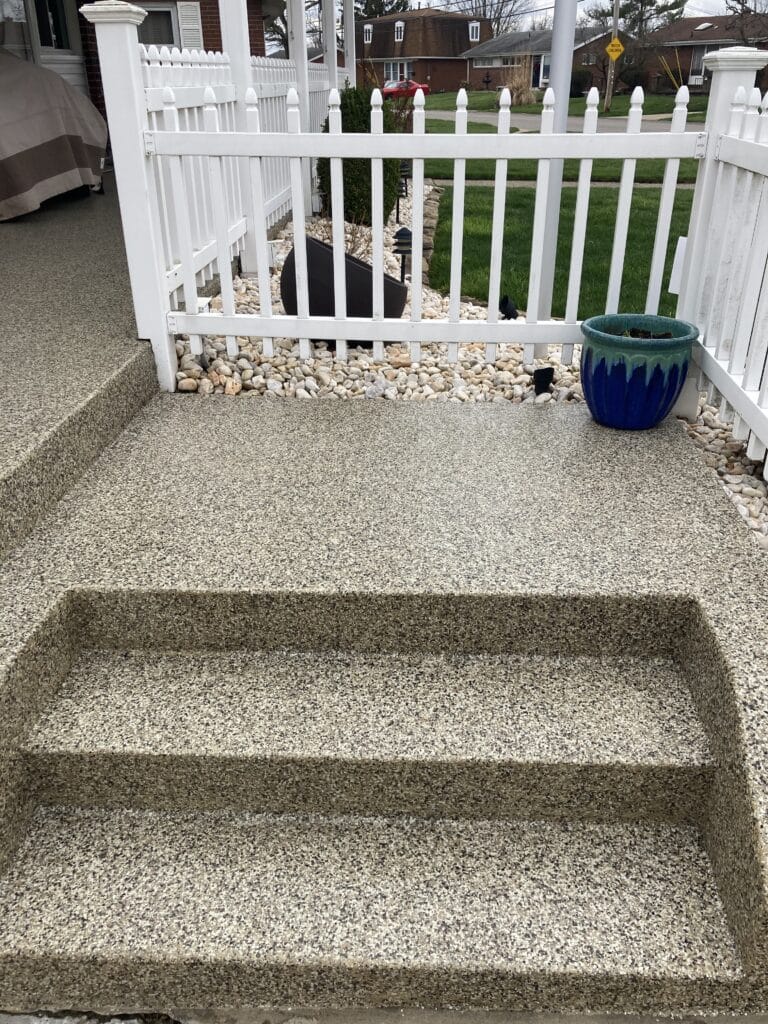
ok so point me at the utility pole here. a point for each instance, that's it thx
(612, 63)
(561, 64)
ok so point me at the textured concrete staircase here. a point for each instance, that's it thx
(396, 818)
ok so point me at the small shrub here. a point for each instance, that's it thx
(356, 117)
(632, 77)
(519, 84)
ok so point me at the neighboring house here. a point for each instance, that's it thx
(492, 64)
(426, 45)
(688, 39)
(52, 33)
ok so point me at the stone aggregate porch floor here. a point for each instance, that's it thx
(206, 503)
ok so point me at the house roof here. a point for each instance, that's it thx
(429, 32)
(710, 28)
(534, 41)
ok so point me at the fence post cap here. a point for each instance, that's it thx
(736, 58)
(114, 11)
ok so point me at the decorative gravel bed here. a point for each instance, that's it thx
(434, 379)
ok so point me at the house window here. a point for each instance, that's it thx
(367, 33)
(399, 31)
(511, 62)
(161, 26)
(482, 62)
(588, 59)
(395, 70)
(474, 31)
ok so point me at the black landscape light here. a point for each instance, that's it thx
(403, 247)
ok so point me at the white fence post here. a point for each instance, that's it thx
(235, 40)
(118, 43)
(731, 68)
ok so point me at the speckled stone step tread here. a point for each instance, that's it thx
(377, 733)
(488, 907)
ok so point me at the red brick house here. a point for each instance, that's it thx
(53, 33)
(687, 40)
(426, 45)
(490, 65)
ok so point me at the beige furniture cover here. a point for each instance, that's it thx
(52, 138)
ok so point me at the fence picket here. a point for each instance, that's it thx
(417, 226)
(337, 223)
(539, 223)
(253, 124)
(623, 207)
(740, 232)
(666, 205)
(216, 179)
(299, 224)
(706, 316)
(377, 221)
(580, 225)
(180, 197)
(497, 229)
(457, 224)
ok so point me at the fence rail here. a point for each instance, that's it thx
(539, 328)
(208, 153)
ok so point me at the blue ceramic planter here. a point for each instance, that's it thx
(632, 383)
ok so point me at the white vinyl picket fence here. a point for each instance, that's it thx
(216, 159)
(189, 74)
(259, 146)
(726, 291)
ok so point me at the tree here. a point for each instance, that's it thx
(504, 15)
(379, 8)
(638, 17)
(744, 15)
(276, 27)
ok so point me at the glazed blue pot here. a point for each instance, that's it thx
(632, 383)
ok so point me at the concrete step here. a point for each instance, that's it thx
(62, 435)
(113, 908)
(452, 735)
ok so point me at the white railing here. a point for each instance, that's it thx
(272, 79)
(174, 161)
(190, 77)
(725, 291)
(295, 145)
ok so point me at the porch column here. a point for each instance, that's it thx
(733, 67)
(350, 57)
(236, 43)
(560, 64)
(328, 8)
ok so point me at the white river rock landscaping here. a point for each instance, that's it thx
(434, 379)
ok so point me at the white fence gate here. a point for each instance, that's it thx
(236, 160)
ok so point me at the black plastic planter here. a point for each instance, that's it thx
(359, 277)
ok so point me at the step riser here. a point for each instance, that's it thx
(593, 793)
(146, 986)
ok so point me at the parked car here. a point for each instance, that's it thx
(406, 87)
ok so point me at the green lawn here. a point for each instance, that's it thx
(525, 170)
(655, 103)
(597, 255)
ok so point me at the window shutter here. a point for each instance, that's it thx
(190, 25)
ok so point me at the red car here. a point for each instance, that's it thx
(405, 88)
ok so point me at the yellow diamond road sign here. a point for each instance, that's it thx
(614, 49)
